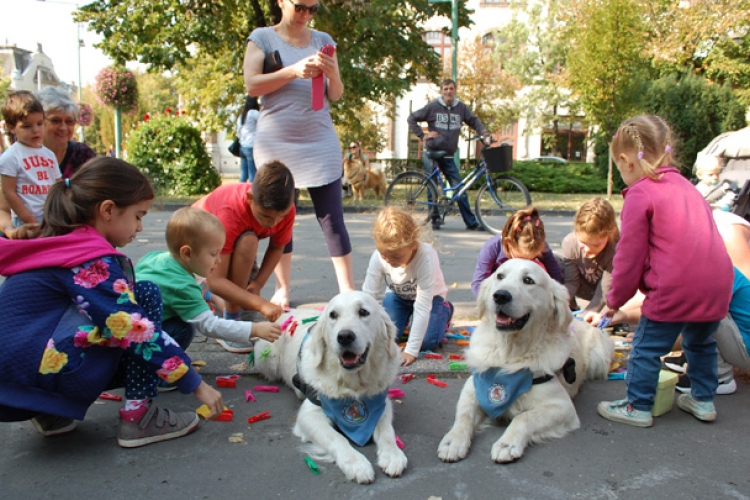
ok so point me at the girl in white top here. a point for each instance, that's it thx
(409, 271)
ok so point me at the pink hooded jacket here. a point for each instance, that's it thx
(670, 249)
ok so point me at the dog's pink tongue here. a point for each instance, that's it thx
(504, 320)
(350, 358)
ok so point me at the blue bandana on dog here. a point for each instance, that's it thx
(356, 418)
(496, 390)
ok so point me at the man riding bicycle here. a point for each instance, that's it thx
(444, 117)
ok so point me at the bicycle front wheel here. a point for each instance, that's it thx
(413, 192)
(499, 199)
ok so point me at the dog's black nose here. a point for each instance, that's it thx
(502, 297)
(345, 337)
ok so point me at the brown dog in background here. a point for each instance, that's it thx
(361, 178)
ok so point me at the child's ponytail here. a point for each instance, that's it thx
(523, 234)
(73, 202)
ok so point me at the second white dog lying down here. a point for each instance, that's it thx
(519, 355)
(345, 362)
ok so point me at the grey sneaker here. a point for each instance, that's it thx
(52, 425)
(622, 411)
(236, 347)
(157, 424)
(702, 410)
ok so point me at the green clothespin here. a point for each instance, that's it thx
(310, 320)
(251, 359)
(265, 353)
(456, 366)
(312, 465)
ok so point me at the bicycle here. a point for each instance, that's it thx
(499, 196)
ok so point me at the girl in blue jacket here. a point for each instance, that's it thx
(75, 321)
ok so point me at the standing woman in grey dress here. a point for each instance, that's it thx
(289, 130)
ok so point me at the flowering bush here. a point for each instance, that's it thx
(85, 114)
(117, 88)
(171, 152)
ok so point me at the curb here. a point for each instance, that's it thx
(353, 209)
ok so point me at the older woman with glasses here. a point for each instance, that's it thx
(60, 121)
(290, 130)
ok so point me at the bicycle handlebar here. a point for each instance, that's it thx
(483, 139)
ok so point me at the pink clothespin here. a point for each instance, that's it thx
(266, 388)
(396, 393)
(399, 443)
(249, 396)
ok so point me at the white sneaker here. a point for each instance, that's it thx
(236, 347)
(727, 386)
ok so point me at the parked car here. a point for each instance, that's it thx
(548, 159)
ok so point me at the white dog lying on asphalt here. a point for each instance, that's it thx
(519, 355)
(342, 365)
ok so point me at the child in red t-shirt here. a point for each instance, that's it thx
(250, 213)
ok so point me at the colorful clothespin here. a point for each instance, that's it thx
(266, 388)
(434, 381)
(286, 323)
(312, 465)
(110, 396)
(399, 443)
(227, 381)
(406, 377)
(225, 416)
(396, 393)
(260, 416)
(249, 396)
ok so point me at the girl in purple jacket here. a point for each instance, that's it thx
(671, 251)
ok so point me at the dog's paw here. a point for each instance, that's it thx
(392, 461)
(504, 452)
(357, 468)
(453, 448)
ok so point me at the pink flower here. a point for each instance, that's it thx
(81, 339)
(92, 274)
(142, 330)
(172, 363)
(123, 343)
(121, 286)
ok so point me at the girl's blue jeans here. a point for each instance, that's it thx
(654, 339)
(247, 165)
(401, 310)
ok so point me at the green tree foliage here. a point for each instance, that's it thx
(728, 62)
(697, 110)
(380, 47)
(367, 129)
(606, 63)
(485, 86)
(171, 152)
(532, 49)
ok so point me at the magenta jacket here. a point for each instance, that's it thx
(670, 249)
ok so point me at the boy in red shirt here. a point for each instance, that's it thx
(250, 213)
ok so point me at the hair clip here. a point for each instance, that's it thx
(536, 224)
(528, 217)
(519, 229)
(67, 183)
(668, 149)
(640, 155)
